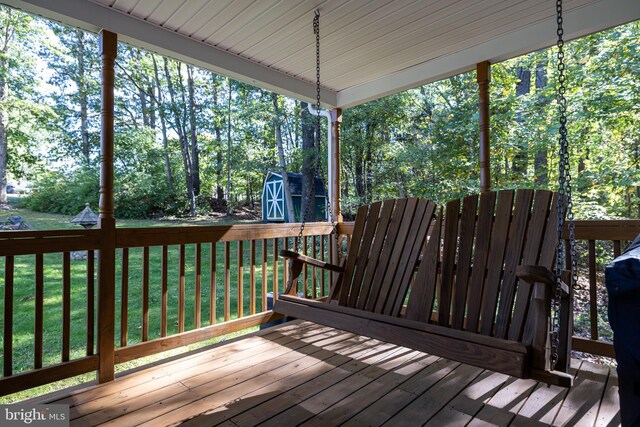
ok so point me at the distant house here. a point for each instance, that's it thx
(274, 208)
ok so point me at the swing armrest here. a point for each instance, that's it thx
(297, 263)
(538, 274)
(296, 257)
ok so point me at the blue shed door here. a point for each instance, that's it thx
(275, 201)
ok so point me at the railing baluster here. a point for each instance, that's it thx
(264, 274)
(593, 290)
(145, 293)
(322, 272)
(8, 317)
(165, 297)
(285, 262)
(66, 305)
(305, 279)
(333, 255)
(91, 309)
(196, 308)
(181, 290)
(124, 297)
(240, 279)
(314, 270)
(37, 351)
(252, 277)
(616, 248)
(275, 269)
(227, 281)
(212, 284)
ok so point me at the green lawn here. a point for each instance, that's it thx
(48, 221)
(24, 291)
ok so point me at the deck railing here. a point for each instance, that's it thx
(182, 285)
(174, 287)
(598, 243)
(39, 278)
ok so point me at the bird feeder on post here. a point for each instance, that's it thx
(87, 218)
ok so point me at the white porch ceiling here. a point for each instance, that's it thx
(370, 48)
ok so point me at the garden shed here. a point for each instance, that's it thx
(274, 208)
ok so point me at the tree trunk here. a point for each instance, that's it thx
(3, 131)
(229, 210)
(540, 163)
(307, 212)
(368, 160)
(142, 95)
(277, 125)
(359, 172)
(163, 126)
(4, 91)
(83, 98)
(520, 160)
(182, 137)
(195, 156)
(218, 130)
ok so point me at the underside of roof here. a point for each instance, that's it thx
(369, 48)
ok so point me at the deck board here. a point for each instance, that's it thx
(301, 373)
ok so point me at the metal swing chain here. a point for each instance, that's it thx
(317, 167)
(305, 214)
(564, 193)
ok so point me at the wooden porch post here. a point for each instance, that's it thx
(334, 179)
(107, 222)
(484, 77)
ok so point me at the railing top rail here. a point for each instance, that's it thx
(598, 229)
(608, 229)
(135, 237)
(31, 234)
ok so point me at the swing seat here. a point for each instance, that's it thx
(470, 282)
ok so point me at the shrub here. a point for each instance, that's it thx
(57, 192)
(136, 194)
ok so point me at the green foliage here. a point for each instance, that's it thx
(138, 195)
(140, 190)
(177, 125)
(57, 192)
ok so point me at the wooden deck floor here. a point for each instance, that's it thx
(304, 374)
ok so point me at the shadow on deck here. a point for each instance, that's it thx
(303, 373)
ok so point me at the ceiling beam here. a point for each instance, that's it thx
(94, 17)
(578, 22)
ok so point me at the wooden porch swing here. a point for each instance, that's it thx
(471, 281)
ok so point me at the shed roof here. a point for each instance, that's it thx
(370, 49)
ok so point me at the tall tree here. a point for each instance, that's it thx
(76, 79)
(277, 125)
(217, 121)
(520, 159)
(307, 209)
(228, 187)
(18, 106)
(163, 124)
(178, 117)
(9, 33)
(193, 132)
(540, 161)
